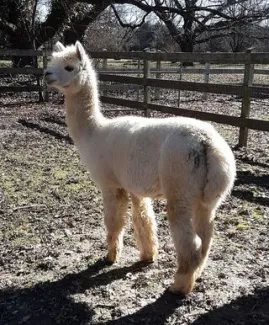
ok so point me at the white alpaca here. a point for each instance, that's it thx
(182, 160)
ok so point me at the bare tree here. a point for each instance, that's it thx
(25, 28)
(106, 32)
(188, 20)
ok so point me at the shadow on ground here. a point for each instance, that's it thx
(248, 310)
(50, 303)
(46, 130)
(248, 179)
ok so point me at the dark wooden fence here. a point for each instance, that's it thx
(245, 90)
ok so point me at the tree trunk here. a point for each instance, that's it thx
(186, 45)
(70, 35)
(185, 36)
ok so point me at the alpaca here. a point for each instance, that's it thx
(182, 160)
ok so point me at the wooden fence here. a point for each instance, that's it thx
(246, 90)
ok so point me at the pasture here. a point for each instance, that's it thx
(52, 236)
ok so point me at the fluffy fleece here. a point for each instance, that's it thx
(180, 159)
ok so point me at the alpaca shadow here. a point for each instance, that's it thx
(155, 313)
(249, 196)
(249, 178)
(248, 310)
(19, 103)
(251, 161)
(36, 126)
(50, 303)
(54, 119)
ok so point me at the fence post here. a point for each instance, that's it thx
(245, 109)
(180, 78)
(138, 75)
(206, 77)
(104, 67)
(146, 87)
(158, 76)
(35, 65)
(45, 65)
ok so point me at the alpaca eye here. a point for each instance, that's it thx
(69, 68)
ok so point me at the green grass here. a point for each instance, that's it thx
(33, 179)
(5, 63)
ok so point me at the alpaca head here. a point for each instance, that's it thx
(68, 71)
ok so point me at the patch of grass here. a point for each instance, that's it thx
(22, 184)
(242, 226)
(20, 233)
(60, 174)
(5, 64)
(36, 177)
(77, 187)
(25, 241)
(258, 214)
(91, 261)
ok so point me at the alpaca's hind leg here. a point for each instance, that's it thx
(115, 206)
(187, 244)
(204, 226)
(145, 228)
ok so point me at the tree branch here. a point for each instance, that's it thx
(79, 23)
(209, 38)
(6, 26)
(129, 25)
(60, 10)
(33, 25)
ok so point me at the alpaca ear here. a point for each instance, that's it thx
(58, 47)
(81, 54)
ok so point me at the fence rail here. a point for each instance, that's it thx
(187, 71)
(143, 80)
(206, 116)
(216, 57)
(253, 91)
(223, 58)
(182, 71)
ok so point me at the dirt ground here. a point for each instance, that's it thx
(52, 236)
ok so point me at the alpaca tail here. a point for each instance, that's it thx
(221, 171)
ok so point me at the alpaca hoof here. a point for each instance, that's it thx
(149, 257)
(112, 257)
(198, 275)
(108, 261)
(146, 258)
(183, 284)
(178, 291)
(175, 291)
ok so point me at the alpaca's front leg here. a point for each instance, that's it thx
(145, 228)
(115, 206)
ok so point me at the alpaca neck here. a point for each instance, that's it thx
(83, 113)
